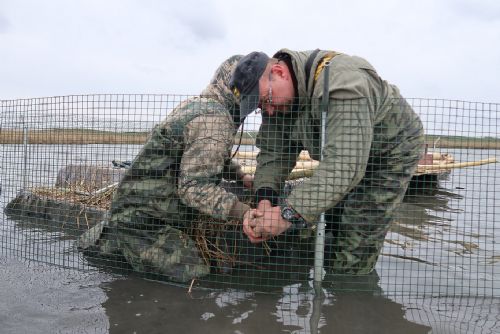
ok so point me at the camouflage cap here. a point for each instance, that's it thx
(218, 88)
(245, 81)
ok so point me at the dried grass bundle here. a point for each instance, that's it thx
(100, 199)
(209, 236)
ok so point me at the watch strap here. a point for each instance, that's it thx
(296, 219)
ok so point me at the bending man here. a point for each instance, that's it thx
(374, 141)
(173, 182)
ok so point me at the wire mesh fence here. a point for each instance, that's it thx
(166, 187)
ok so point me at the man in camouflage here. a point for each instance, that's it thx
(173, 181)
(373, 142)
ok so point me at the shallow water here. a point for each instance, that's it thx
(439, 273)
(38, 298)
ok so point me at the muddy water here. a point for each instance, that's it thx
(37, 298)
(439, 273)
(41, 299)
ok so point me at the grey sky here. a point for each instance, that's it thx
(428, 48)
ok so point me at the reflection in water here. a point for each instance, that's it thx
(136, 305)
(363, 310)
(425, 221)
(140, 306)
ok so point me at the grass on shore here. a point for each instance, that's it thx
(71, 136)
(88, 136)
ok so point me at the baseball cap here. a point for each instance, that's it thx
(245, 81)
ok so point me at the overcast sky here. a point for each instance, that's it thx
(428, 48)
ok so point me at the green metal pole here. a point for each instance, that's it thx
(25, 147)
(319, 249)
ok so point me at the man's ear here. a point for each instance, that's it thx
(280, 70)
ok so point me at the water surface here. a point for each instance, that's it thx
(439, 272)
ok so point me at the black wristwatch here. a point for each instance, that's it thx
(288, 213)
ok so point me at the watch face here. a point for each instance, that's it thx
(287, 213)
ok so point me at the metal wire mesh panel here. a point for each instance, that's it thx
(167, 188)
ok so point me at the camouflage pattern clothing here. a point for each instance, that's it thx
(374, 141)
(173, 180)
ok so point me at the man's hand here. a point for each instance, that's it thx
(249, 222)
(247, 180)
(271, 224)
(265, 222)
(264, 205)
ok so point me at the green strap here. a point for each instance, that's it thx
(309, 63)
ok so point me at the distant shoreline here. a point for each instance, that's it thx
(87, 136)
(489, 143)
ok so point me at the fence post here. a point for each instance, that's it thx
(319, 249)
(25, 148)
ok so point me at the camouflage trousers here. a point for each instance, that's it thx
(146, 244)
(357, 226)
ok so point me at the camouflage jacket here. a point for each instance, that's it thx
(185, 158)
(364, 119)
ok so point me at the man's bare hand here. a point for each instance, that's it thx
(270, 223)
(264, 205)
(247, 180)
(250, 220)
